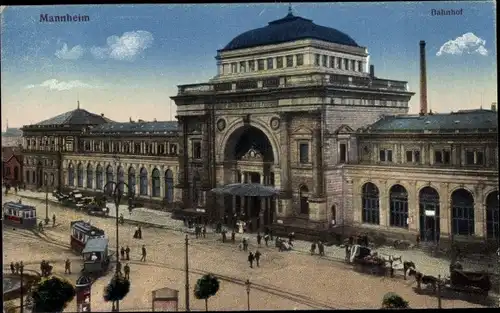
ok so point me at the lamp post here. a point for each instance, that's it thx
(117, 194)
(187, 274)
(46, 180)
(21, 271)
(343, 200)
(247, 284)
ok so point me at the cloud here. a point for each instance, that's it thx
(70, 54)
(54, 84)
(468, 43)
(124, 48)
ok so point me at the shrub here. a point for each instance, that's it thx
(206, 287)
(394, 301)
(52, 294)
(117, 289)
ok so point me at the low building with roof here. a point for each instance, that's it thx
(12, 166)
(12, 137)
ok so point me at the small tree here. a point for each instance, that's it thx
(394, 301)
(117, 289)
(52, 294)
(206, 287)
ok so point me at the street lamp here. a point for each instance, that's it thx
(117, 194)
(247, 283)
(21, 271)
(46, 180)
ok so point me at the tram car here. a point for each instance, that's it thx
(20, 215)
(95, 256)
(81, 232)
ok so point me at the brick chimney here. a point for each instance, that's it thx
(372, 71)
(423, 79)
(494, 106)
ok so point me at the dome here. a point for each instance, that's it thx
(289, 28)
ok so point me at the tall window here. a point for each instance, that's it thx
(79, 175)
(243, 67)
(352, 67)
(304, 200)
(360, 66)
(279, 62)
(143, 190)
(71, 175)
(385, 155)
(325, 61)
(492, 216)
(303, 153)
(346, 64)
(196, 188)
(413, 156)
(156, 182)
(332, 61)
(398, 206)
(109, 178)
(169, 186)
(90, 177)
(442, 157)
(173, 149)
(196, 150)
(337, 62)
(120, 174)
(234, 67)
(131, 179)
(300, 59)
(462, 206)
(289, 61)
(370, 203)
(260, 64)
(99, 177)
(270, 64)
(251, 65)
(343, 153)
(317, 58)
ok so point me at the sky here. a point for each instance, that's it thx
(127, 60)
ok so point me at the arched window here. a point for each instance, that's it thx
(99, 178)
(398, 203)
(109, 177)
(334, 213)
(52, 179)
(370, 203)
(143, 185)
(155, 176)
(169, 186)
(492, 216)
(304, 200)
(196, 188)
(71, 175)
(428, 200)
(90, 176)
(120, 178)
(27, 177)
(462, 213)
(131, 180)
(33, 177)
(79, 175)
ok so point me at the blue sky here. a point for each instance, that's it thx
(153, 48)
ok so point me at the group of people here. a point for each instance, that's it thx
(254, 257)
(16, 268)
(321, 248)
(16, 188)
(125, 253)
(138, 233)
(45, 268)
(126, 270)
(200, 231)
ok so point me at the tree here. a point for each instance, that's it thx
(206, 287)
(117, 289)
(52, 294)
(394, 301)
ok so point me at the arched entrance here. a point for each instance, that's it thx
(398, 198)
(79, 175)
(120, 178)
(333, 219)
(428, 200)
(370, 204)
(71, 175)
(109, 178)
(131, 180)
(155, 182)
(492, 216)
(304, 200)
(462, 214)
(169, 186)
(90, 176)
(249, 154)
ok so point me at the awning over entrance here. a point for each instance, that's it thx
(247, 190)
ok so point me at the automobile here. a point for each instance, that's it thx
(60, 196)
(94, 209)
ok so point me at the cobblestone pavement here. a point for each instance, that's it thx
(283, 269)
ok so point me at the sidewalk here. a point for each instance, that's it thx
(162, 219)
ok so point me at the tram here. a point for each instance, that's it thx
(81, 232)
(20, 215)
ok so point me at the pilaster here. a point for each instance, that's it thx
(444, 210)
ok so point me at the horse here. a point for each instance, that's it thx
(407, 266)
(424, 279)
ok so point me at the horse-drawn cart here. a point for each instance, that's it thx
(469, 281)
(365, 262)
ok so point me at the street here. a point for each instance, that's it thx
(285, 280)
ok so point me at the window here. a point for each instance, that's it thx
(270, 63)
(251, 65)
(260, 65)
(300, 59)
(332, 62)
(385, 155)
(137, 148)
(469, 157)
(69, 146)
(279, 62)
(325, 61)
(360, 66)
(412, 156)
(352, 68)
(161, 148)
(234, 68)
(304, 153)
(442, 157)
(173, 149)
(289, 61)
(343, 153)
(316, 59)
(243, 67)
(346, 64)
(337, 62)
(447, 157)
(196, 150)
(479, 158)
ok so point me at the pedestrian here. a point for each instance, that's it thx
(122, 253)
(347, 252)
(321, 249)
(127, 253)
(250, 259)
(67, 267)
(12, 268)
(143, 258)
(140, 232)
(17, 267)
(204, 231)
(290, 238)
(257, 257)
(266, 239)
(42, 267)
(21, 267)
(136, 232)
(313, 248)
(119, 267)
(418, 240)
(271, 234)
(259, 239)
(245, 244)
(53, 220)
(15, 189)
(223, 235)
(233, 236)
(126, 271)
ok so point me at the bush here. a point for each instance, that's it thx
(394, 301)
(206, 287)
(117, 289)
(52, 294)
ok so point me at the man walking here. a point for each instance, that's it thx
(67, 267)
(313, 248)
(245, 244)
(53, 220)
(204, 231)
(127, 253)
(259, 239)
(143, 258)
(257, 257)
(266, 239)
(321, 249)
(126, 271)
(122, 253)
(233, 236)
(250, 259)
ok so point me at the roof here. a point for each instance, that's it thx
(9, 152)
(95, 245)
(76, 117)
(136, 127)
(289, 28)
(19, 206)
(461, 120)
(12, 132)
(87, 228)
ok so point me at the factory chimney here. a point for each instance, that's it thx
(494, 106)
(423, 80)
